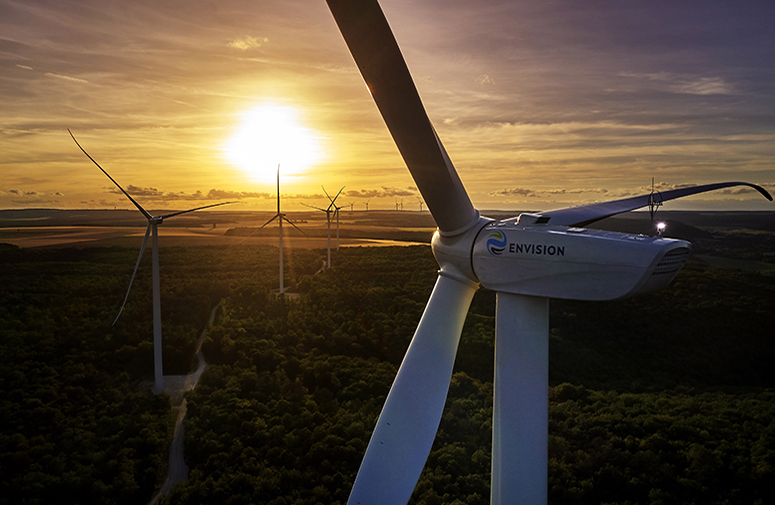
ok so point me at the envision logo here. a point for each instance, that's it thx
(496, 243)
(548, 250)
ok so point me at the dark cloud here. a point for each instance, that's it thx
(532, 193)
(27, 193)
(154, 194)
(35, 201)
(385, 192)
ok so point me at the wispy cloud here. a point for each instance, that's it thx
(683, 84)
(246, 43)
(67, 78)
(484, 79)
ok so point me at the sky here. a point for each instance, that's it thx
(541, 104)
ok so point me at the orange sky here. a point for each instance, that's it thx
(540, 104)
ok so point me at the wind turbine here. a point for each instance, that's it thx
(419, 200)
(526, 260)
(367, 204)
(328, 212)
(280, 217)
(336, 212)
(153, 223)
(352, 204)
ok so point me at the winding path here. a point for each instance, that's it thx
(176, 386)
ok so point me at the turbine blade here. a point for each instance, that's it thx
(139, 257)
(326, 192)
(337, 195)
(290, 223)
(273, 218)
(372, 45)
(139, 207)
(587, 214)
(410, 418)
(165, 216)
(316, 208)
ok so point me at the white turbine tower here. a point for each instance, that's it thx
(328, 212)
(336, 212)
(280, 217)
(153, 223)
(526, 260)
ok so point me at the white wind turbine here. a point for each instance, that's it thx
(336, 212)
(328, 212)
(526, 260)
(153, 223)
(280, 217)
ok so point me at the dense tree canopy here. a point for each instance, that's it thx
(661, 399)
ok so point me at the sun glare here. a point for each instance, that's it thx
(270, 135)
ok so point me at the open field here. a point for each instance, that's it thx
(742, 240)
(100, 228)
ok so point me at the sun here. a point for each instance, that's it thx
(268, 136)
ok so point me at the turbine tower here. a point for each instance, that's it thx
(526, 260)
(328, 212)
(280, 217)
(153, 223)
(336, 212)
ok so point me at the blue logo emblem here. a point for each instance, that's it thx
(496, 243)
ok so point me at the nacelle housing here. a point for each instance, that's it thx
(527, 258)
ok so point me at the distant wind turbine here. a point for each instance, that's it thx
(153, 223)
(367, 204)
(328, 212)
(351, 206)
(336, 213)
(421, 203)
(280, 218)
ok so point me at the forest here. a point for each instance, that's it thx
(664, 399)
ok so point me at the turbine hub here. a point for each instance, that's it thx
(453, 252)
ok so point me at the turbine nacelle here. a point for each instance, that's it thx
(534, 259)
(527, 256)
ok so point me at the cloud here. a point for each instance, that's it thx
(245, 43)
(67, 78)
(682, 84)
(704, 86)
(153, 194)
(483, 80)
(25, 67)
(532, 193)
(34, 201)
(17, 192)
(385, 192)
